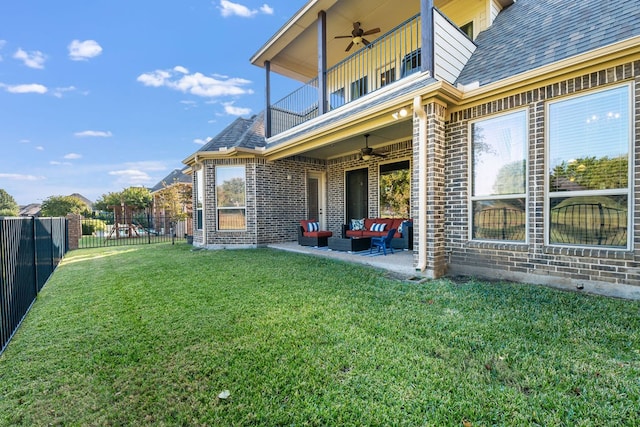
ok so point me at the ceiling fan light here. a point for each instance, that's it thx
(357, 40)
(366, 157)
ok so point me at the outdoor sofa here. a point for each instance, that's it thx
(309, 234)
(402, 239)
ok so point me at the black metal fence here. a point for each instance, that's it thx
(143, 228)
(30, 250)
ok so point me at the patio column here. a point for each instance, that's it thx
(427, 51)
(322, 62)
(429, 156)
(267, 92)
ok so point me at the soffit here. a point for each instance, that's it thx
(293, 51)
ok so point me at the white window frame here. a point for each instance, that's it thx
(548, 195)
(200, 198)
(525, 195)
(218, 208)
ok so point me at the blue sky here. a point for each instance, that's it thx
(100, 95)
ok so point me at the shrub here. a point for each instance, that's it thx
(90, 226)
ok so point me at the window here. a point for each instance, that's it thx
(231, 197)
(199, 197)
(468, 29)
(337, 98)
(358, 88)
(411, 62)
(499, 170)
(387, 76)
(588, 164)
(395, 190)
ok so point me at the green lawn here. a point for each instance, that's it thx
(152, 335)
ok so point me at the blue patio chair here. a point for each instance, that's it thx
(383, 242)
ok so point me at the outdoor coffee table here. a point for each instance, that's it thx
(350, 244)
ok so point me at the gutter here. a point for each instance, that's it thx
(422, 182)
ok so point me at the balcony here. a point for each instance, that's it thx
(390, 58)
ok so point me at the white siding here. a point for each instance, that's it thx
(452, 49)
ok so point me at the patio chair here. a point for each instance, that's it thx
(383, 242)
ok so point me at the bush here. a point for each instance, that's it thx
(90, 226)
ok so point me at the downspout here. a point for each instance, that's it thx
(422, 182)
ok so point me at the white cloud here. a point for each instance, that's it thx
(33, 59)
(59, 91)
(196, 84)
(57, 163)
(228, 8)
(201, 141)
(180, 69)
(266, 9)
(93, 133)
(236, 111)
(131, 177)
(20, 177)
(39, 148)
(25, 88)
(25, 141)
(73, 156)
(82, 51)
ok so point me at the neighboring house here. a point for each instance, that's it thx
(518, 122)
(86, 201)
(32, 209)
(163, 206)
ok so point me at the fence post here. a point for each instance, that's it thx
(148, 227)
(74, 230)
(34, 238)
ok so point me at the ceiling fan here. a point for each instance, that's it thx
(367, 152)
(357, 36)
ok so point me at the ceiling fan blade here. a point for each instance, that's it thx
(366, 42)
(375, 153)
(372, 31)
(343, 37)
(349, 47)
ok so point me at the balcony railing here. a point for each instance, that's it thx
(391, 57)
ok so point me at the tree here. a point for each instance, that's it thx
(137, 198)
(175, 199)
(63, 205)
(395, 194)
(590, 173)
(511, 178)
(8, 206)
(231, 193)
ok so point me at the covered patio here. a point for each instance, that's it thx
(399, 263)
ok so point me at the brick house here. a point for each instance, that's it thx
(517, 122)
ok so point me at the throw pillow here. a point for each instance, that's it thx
(357, 224)
(378, 226)
(313, 226)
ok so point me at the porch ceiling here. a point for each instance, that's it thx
(344, 146)
(293, 50)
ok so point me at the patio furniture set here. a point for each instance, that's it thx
(360, 235)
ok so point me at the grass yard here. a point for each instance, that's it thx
(152, 335)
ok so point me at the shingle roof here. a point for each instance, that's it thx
(533, 33)
(176, 175)
(245, 133)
